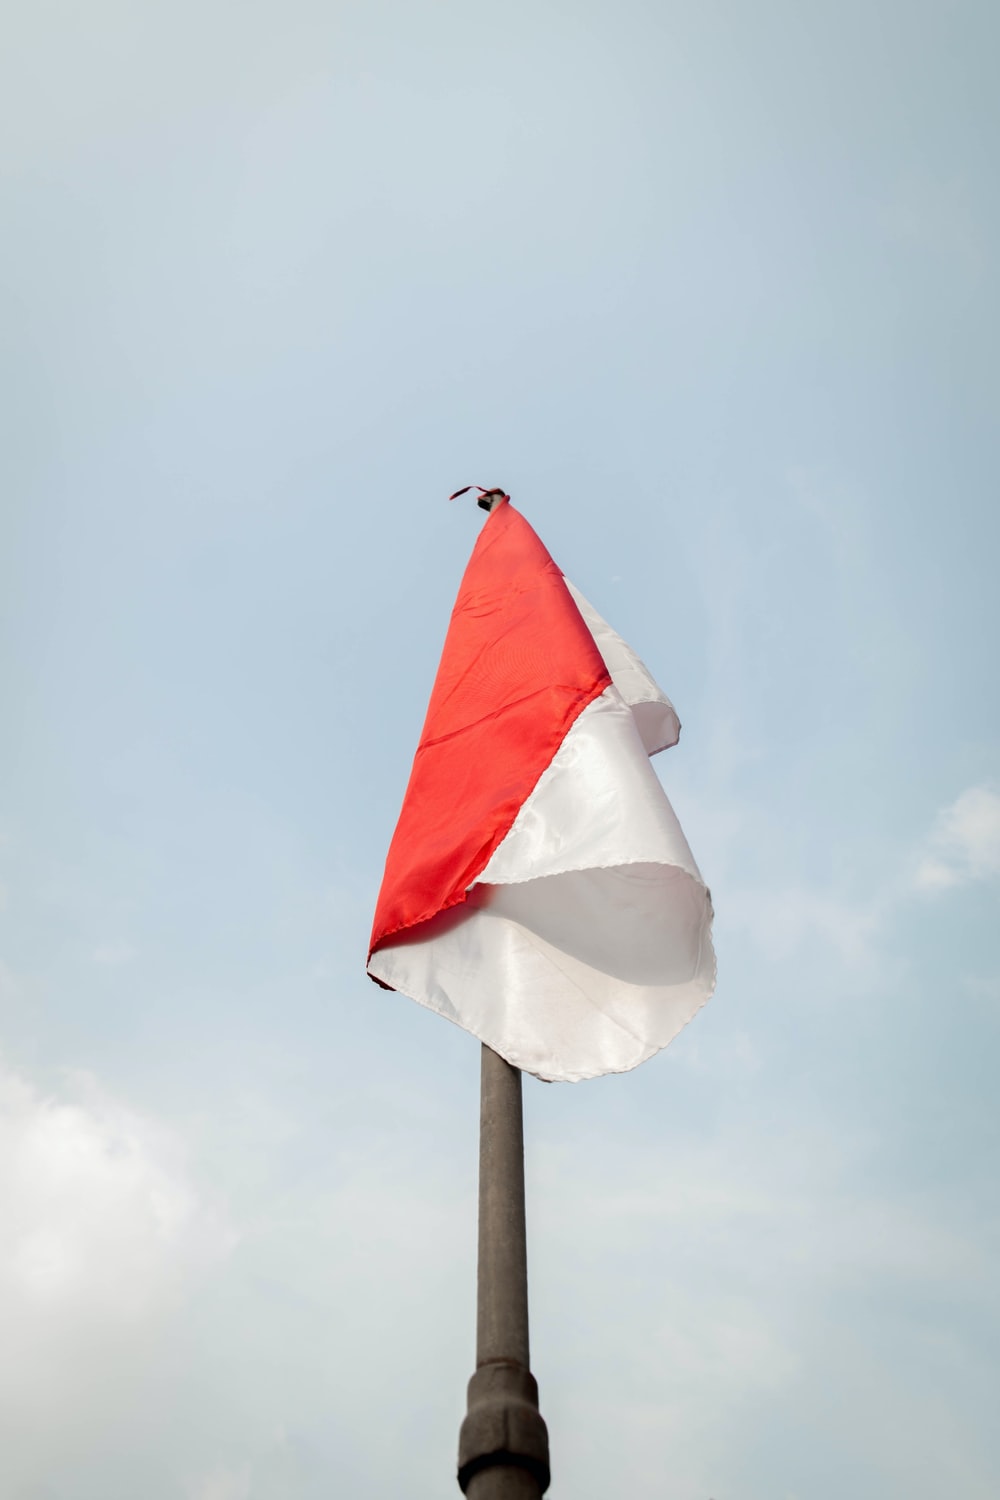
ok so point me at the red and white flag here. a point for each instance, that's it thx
(538, 889)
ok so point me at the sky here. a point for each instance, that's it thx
(711, 290)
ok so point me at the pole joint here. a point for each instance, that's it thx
(503, 1427)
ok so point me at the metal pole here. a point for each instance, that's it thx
(503, 1448)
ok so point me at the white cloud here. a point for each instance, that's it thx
(99, 1207)
(964, 844)
(103, 1233)
(962, 847)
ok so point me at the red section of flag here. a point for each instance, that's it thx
(518, 666)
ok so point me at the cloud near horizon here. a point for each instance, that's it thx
(104, 1233)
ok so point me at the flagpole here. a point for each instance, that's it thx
(503, 1447)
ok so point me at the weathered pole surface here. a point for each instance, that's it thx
(503, 1448)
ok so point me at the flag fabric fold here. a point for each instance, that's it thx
(538, 889)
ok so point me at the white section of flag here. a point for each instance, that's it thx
(585, 945)
(655, 715)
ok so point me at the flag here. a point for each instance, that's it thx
(538, 889)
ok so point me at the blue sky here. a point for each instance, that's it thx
(711, 290)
